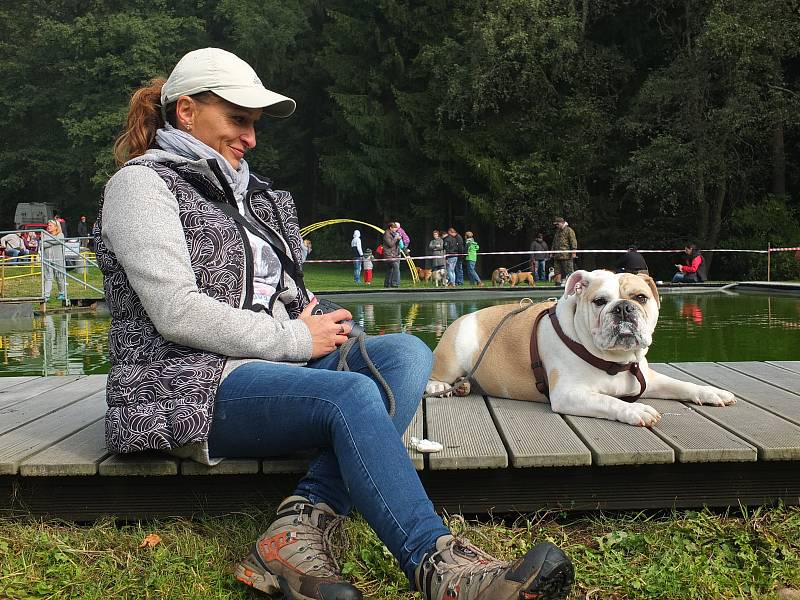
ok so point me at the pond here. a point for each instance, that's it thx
(708, 326)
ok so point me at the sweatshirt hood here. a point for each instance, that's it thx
(356, 233)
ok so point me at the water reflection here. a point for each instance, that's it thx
(54, 344)
(692, 327)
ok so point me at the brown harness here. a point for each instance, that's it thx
(612, 368)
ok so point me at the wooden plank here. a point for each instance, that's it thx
(466, 430)
(536, 436)
(790, 365)
(696, 439)
(78, 454)
(774, 437)
(229, 466)
(139, 463)
(40, 385)
(415, 429)
(770, 374)
(775, 400)
(25, 441)
(616, 443)
(7, 382)
(45, 403)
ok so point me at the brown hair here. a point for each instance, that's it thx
(144, 119)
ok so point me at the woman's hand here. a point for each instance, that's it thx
(326, 331)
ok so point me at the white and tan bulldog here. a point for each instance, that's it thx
(612, 315)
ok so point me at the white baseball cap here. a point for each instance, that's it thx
(228, 76)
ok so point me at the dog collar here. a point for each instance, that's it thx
(612, 368)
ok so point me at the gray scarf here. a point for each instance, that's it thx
(188, 146)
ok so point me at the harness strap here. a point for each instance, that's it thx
(612, 368)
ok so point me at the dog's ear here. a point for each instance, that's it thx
(653, 288)
(577, 282)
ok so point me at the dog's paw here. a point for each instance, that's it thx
(707, 394)
(462, 388)
(437, 388)
(641, 415)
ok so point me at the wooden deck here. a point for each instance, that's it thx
(499, 455)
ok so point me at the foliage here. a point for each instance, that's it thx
(638, 119)
(678, 555)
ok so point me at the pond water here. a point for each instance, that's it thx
(709, 326)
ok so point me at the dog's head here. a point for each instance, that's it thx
(501, 274)
(618, 310)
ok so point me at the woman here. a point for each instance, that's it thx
(693, 269)
(436, 248)
(392, 242)
(52, 254)
(204, 367)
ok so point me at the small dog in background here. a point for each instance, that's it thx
(500, 276)
(437, 276)
(522, 277)
(551, 274)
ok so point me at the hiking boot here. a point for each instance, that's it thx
(457, 570)
(294, 557)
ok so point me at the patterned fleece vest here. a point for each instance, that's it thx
(161, 394)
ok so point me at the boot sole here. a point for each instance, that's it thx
(555, 575)
(250, 573)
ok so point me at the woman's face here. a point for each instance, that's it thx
(51, 228)
(225, 127)
(435, 235)
(687, 250)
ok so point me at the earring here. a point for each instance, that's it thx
(188, 127)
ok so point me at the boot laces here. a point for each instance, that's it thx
(318, 541)
(481, 570)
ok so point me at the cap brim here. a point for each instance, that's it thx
(274, 104)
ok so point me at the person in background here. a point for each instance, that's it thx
(358, 255)
(367, 266)
(450, 245)
(305, 249)
(539, 257)
(693, 270)
(391, 252)
(632, 262)
(211, 378)
(564, 240)
(404, 237)
(83, 231)
(472, 258)
(436, 249)
(52, 253)
(462, 250)
(31, 239)
(13, 245)
(61, 222)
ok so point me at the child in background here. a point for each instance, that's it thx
(472, 258)
(367, 265)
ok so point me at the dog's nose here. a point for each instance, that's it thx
(624, 309)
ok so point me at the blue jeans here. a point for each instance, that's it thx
(357, 270)
(451, 269)
(269, 409)
(392, 278)
(472, 273)
(540, 274)
(460, 271)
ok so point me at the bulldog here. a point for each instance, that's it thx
(522, 277)
(500, 276)
(424, 274)
(611, 316)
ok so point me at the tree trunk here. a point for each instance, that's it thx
(715, 221)
(778, 161)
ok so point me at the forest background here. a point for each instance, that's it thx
(649, 122)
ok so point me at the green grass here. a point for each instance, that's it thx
(680, 555)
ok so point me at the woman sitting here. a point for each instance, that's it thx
(693, 269)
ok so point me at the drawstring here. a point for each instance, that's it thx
(342, 365)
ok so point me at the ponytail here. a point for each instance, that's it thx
(144, 119)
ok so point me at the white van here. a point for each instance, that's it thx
(33, 212)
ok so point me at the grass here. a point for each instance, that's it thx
(676, 555)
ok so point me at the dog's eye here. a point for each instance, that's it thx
(599, 301)
(641, 298)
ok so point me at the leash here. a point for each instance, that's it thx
(463, 378)
(612, 368)
(342, 365)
